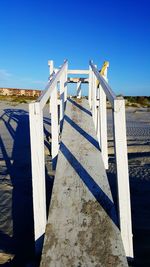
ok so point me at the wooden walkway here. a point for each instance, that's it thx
(81, 228)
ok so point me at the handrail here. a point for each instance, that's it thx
(37, 141)
(51, 85)
(107, 89)
(98, 104)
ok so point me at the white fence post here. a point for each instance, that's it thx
(79, 89)
(54, 126)
(62, 99)
(51, 66)
(123, 175)
(94, 100)
(51, 69)
(103, 122)
(93, 95)
(38, 170)
(90, 87)
(103, 126)
(98, 116)
(65, 82)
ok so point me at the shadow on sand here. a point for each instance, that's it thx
(18, 168)
(140, 204)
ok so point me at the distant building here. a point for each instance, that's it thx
(19, 92)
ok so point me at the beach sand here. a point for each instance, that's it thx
(16, 211)
(138, 139)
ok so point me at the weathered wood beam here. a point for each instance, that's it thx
(76, 80)
(78, 72)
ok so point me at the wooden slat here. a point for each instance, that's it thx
(38, 171)
(76, 80)
(78, 72)
(123, 175)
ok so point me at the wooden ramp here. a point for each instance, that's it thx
(81, 228)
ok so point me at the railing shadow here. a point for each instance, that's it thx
(106, 203)
(82, 132)
(47, 133)
(18, 168)
(79, 106)
(93, 187)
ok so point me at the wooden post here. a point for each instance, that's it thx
(65, 82)
(94, 100)
(90, 87)
(123, 175)
(51, 69)
(38, 171)
(51, 66)
(54, 126)
(103, 121)
(103, 126)
(93, 94)
(62, 99)
(79, 89)
(98, 116)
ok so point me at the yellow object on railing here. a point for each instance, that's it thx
(103, 70)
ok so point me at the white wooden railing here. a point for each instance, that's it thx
(37, 141)
(97, 101)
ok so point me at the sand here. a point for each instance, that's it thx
(138, 139)
(16, 212)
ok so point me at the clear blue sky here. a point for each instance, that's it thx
(33, 31)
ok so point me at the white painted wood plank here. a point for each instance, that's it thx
(38, 169)
(62, 96)
(123, 176)
(78, 79)
(54, 126)
(78, 72)
(90, 88)
(103, 126)
(79, 89)
(51, 66)
(51, 70)
(94, 100)
(66, 82)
